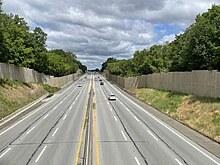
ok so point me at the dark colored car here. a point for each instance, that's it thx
(101, 83)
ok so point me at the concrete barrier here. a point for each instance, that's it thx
(12, 72)
(199, 82)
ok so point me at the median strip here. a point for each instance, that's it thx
(81, 136)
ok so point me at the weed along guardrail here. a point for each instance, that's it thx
(201, 83)
(12, 72)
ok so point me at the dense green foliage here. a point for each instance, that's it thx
(23, 48)
(197, 48)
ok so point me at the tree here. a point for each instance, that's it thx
(198, 45)
(0, 6)
(13, 48)
(1, 29)
(23, 48)
(104, 65)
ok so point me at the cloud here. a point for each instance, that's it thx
(98, 29)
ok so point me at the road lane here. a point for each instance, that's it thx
(141, 137)
(172, 139)
(124, 132)
(11, 132)
(115, 147)
(62, 147)
(33, 137)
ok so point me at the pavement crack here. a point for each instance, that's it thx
(21, 133)
(42, 142)
(155, 133)
(134, 143)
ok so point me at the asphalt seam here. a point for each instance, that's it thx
(187, 131)
(153, 131)
(55, 124)
(144, 158)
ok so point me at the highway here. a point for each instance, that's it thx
(122, 132)
(128, 134)
(49, 134)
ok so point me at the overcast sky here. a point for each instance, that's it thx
(98, 29)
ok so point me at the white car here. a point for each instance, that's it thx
(112, 97)
(79, 85)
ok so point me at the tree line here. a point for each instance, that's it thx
(198, 48)
(25, 48)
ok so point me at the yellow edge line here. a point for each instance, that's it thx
(96, 134)
(81, 134)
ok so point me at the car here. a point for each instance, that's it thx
(100, 79)
(101, 83)
(79, 85)
(111, 97)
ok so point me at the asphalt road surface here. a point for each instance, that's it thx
(123, 132)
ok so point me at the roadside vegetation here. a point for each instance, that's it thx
(198, 48)
(14, 95)
(50, 89)
(199, 113)
(25, 48)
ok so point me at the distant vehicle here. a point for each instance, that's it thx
(79, 85)
(100, 79)
(111, 97)
(101, 83)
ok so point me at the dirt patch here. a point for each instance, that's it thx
(13, 97)
(200, 113)
(201, 116)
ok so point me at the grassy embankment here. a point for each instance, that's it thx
(199, 113)
(14, 95)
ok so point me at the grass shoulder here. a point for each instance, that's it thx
(14, 95)
(199, 113)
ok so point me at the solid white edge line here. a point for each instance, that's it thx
(166, 126)
(33, 112)
(5, 152)
(178, 161)
(55, 131)
(137, 161)
(22, 119)
(40, 154)
(115, 118)
(152, 135)
(124, 136)
(30, 130)
(136, 119)
(64, 117)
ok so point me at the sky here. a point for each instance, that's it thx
(98, 29)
